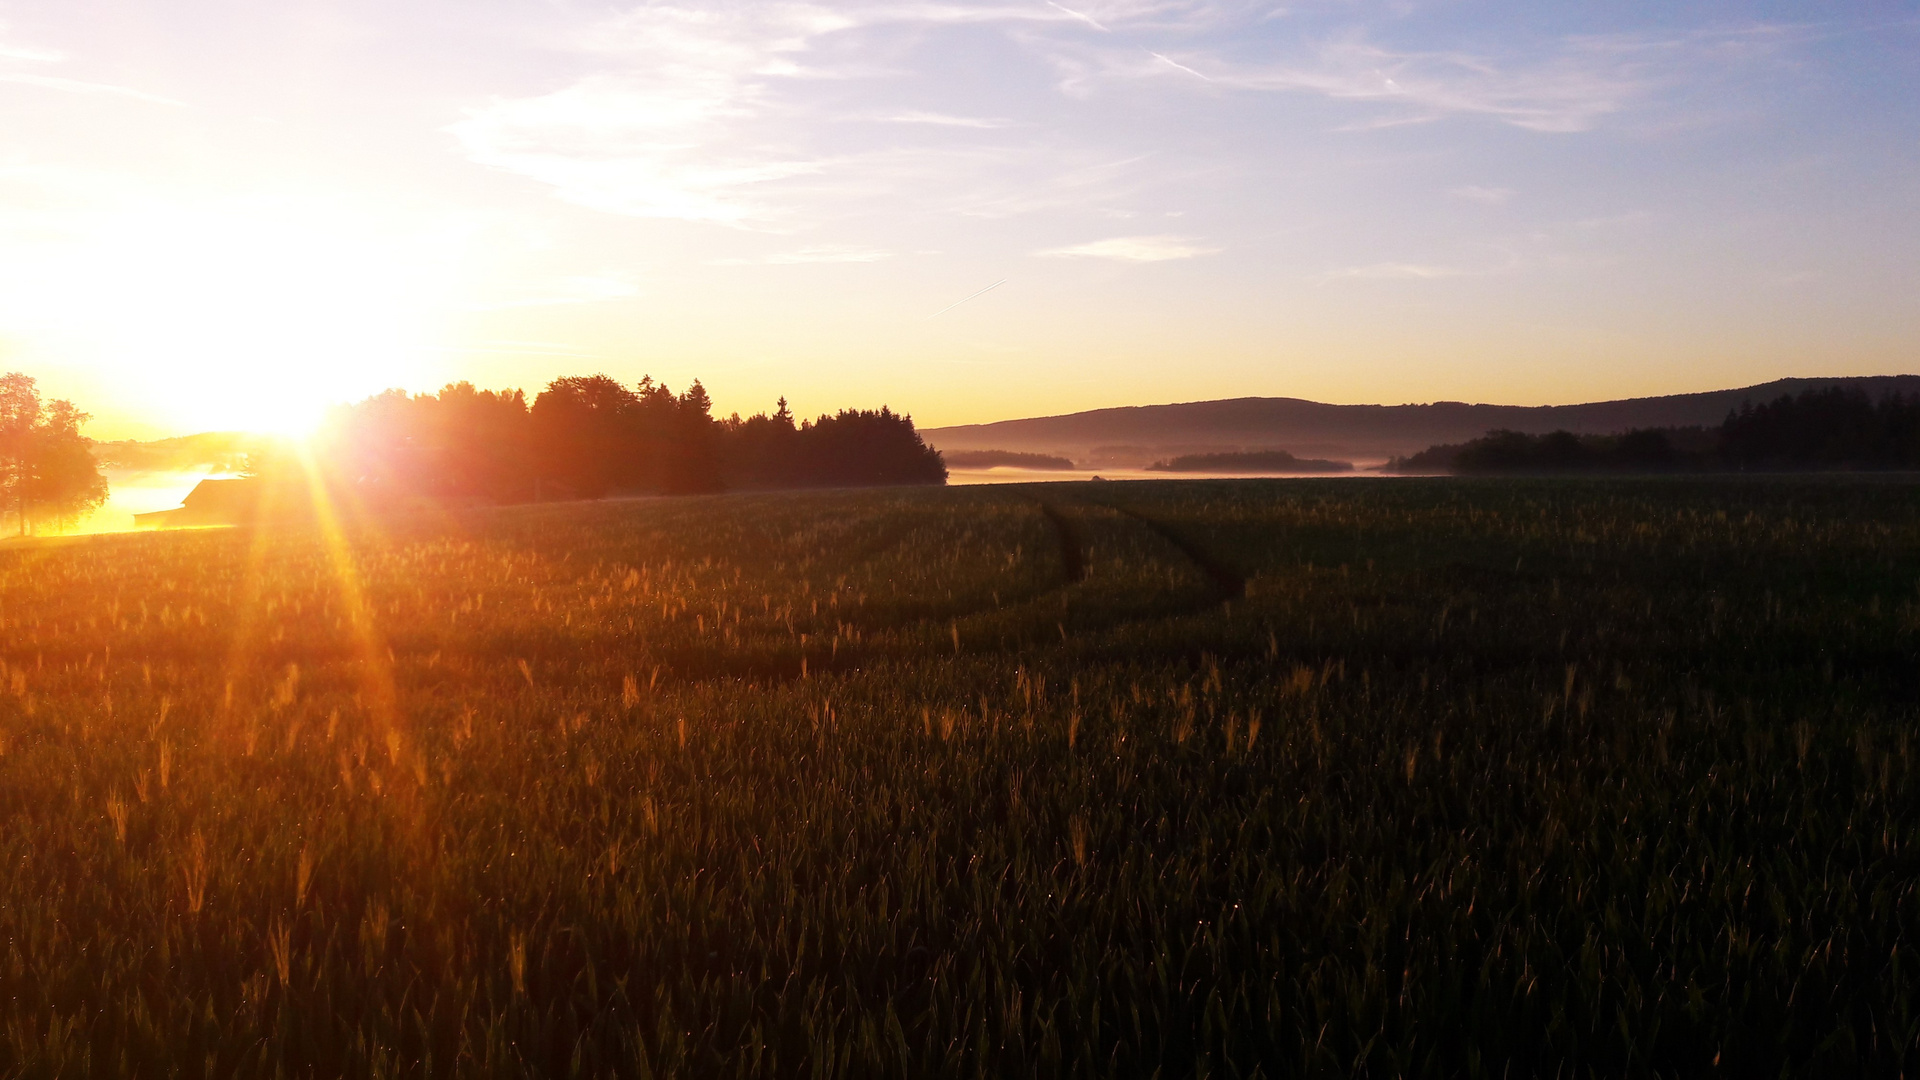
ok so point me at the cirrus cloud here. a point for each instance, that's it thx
(1133, 249)
(823, 253)
(738, 114)
(31, 55)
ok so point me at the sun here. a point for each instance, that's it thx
(255, 315)
(290, 410)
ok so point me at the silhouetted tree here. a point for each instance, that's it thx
(584, 435)
(588, 436)
(1644, 448)
(460, 442)
(19, 416)
(861, 446)
(762, 450)
(1498, 451)
(695, 462)
(378, 443)
(1834, 428)
(1560, 451)
(47, 469)
(482, 438)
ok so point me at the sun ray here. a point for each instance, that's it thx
(297, 494)
(243, 643)
(375, 657)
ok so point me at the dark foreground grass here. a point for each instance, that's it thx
(1187, 778)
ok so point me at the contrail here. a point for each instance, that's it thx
(1088, 19)
(1175, 63)
(964, 299)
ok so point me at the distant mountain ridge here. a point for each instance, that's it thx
(1132, 436)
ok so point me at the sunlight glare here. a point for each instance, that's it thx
(255, 316)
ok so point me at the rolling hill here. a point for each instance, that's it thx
(1133, 436)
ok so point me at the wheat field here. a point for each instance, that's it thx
(1236, 778)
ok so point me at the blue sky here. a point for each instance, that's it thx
(220, 214)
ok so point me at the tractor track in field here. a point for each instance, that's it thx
(1229, 583)
(1073, 553)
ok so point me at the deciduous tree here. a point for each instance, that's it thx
(47, 469)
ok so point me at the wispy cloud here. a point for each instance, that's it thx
(1178, 66)
(719, 114)
(1502, 260)
(621, 145)
(1059, 180)
(1566, 92)
(663, 131)
(1395, 270)
(1133, 249)
(974, 295)
(78, 86)
(37, 57)
(944, 120)
(1081, 16)
(28, 53)
(1563, 85)
(827, 253)
(1490, 196)
(737, 115)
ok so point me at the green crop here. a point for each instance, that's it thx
(1223, 778)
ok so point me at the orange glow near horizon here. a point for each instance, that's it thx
(255, 316)
(232, 219)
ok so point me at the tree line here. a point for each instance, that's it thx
(1838, 428)
(589, 436)
(1249, 461)
(47, 471)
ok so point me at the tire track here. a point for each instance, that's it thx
(1073, 553)
(1229, 583)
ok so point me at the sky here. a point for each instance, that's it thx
(223, 214)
